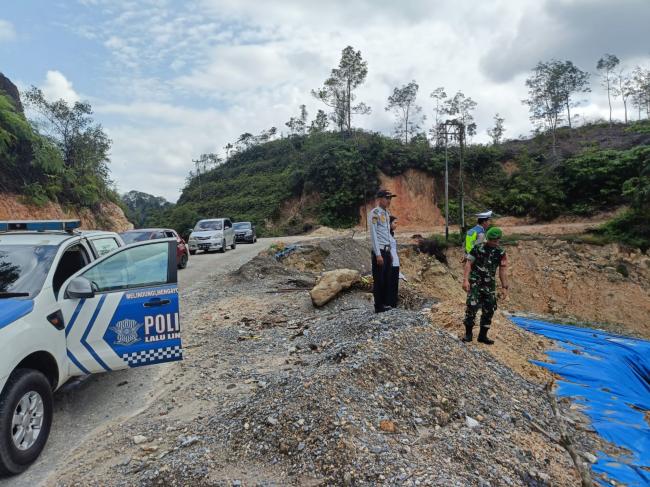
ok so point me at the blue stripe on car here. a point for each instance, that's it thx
(14, 309)
(77, 363)
(87, 332)
(74, 317)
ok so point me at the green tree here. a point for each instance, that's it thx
(320, 123)
(298, 125)
(460, 108)
(573, 81)
(338, 90)
(546, 97)
(606, 66)
(82, 143)
(496, 132)
(408, 113)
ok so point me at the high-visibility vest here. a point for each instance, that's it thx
(472, 237)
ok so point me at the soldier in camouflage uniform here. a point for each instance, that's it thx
(480, 283)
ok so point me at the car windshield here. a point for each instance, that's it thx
(131, 237)
(242, 225)
(209, 225)
(23, 269)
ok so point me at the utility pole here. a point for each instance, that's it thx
(461, 139)
(446, 193)
(452, 130)
(197, 163)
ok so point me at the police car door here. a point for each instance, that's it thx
(122, 310)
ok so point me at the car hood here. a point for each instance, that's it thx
(14, 309)
(206, 233)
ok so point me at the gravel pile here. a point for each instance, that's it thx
(379, 400)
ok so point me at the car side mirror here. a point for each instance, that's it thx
(80, 288)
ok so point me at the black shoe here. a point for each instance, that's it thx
(483, 338)
(382, 309)
(468, 334)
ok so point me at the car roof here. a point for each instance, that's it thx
(150, 230)
(48, 238)
(212, 219)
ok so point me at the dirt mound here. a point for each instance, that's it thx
(331, 254)
(415, 205)
(108, 216)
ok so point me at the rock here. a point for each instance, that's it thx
(188, 440)
(139, 439)
(471, 422)
(387, 426)
(590, 457)
(331, 284)
(272, 421)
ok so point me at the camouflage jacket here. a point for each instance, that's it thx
(485, 261)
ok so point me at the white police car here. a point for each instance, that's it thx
(75, 303)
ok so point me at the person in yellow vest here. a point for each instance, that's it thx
(476, 235)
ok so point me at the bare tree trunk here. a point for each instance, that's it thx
(609, 100)
(406, 128)
(568, 112)
(625, 108)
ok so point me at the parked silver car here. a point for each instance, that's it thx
(212, 234)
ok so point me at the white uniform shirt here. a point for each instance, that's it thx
(379, 229)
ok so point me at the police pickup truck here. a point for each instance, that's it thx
(74, 303)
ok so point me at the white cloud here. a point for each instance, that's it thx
(195, 74)
(7, 31)
(56, 87)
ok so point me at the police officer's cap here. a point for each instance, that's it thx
(384, 193)
(485, 214)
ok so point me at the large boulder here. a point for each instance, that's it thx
(8, 88)
(331, 284)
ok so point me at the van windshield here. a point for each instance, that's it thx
(242, 226)
(208, 225)
(23, 269)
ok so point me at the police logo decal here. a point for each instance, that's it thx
(126, 332)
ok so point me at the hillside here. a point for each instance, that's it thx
(55, 175)
(291, 184)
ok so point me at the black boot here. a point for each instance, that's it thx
(483, 338)
(468, 334)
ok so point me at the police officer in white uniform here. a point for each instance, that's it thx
(379, 228)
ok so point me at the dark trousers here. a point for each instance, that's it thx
(393, 286)
(381, 279)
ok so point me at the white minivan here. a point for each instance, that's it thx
(212, 234)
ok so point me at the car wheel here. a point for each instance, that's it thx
(192, 252)
(234, 244)
(223, 246)
(183, 262)
(25, 420)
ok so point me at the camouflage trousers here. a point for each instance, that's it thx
(483, 298)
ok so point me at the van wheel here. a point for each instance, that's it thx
(234, 244)
(223, 246)
(25, 420)
(192, 252)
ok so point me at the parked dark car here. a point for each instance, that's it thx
(142, 234)
(245, 232)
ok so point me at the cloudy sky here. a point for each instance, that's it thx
(171, 79)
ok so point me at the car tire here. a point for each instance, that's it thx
(223, 246)
(183, 262)
(234, 244)
(31, 386)
(192, 252)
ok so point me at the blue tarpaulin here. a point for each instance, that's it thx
(609, 375)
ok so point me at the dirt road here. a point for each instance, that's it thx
(84, 406)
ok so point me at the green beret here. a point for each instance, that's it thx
(494, 233)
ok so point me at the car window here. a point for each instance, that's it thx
(73, 260)
(242, 226)
(170, 234)
(141, 266)
(23, 268)
(132, 237)
(104, 246)
(157, 235)
(228, 224)
(208, 225)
